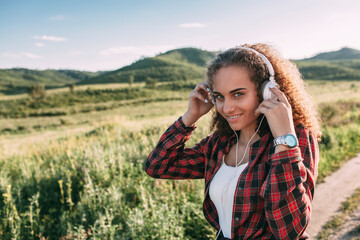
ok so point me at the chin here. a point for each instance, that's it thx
(235, 127)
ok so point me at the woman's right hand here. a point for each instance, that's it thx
(199, 104)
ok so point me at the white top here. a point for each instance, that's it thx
(222, 191)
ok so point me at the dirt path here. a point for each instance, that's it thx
(332, 192)
(349, 231)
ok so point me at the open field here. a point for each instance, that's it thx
(77, 88)
(332, 91)
(55, 127)
(80, 175)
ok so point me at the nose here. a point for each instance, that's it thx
(228, 106)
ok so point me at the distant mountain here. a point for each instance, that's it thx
(343, 64)
(174, 65)
(26, 77)
(189, 63)
(342, 54)
(329, 70)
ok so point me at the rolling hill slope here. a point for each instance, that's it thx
(189, 63)
(330, 70)
(16, 79)
(175, 65)
(342, 54)
(24, 77)
(343, 64)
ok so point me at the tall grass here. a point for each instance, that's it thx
(93, 186)
(341, 135)
(338, 145)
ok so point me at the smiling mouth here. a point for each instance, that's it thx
(234, 117)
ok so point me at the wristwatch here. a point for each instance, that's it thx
(288, 140)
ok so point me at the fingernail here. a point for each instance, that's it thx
(208, 89)
(206, 100)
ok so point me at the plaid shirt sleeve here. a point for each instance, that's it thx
(288, 188)
(171, 160)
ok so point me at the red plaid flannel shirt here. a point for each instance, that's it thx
(273, 194)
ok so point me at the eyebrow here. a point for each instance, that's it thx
(232, 91)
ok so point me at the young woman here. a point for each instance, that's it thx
(260, 163)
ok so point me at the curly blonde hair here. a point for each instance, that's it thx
(287, 76)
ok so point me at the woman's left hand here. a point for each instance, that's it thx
(278, 114)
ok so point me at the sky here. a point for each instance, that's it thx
(99, 35)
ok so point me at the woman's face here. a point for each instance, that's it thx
(236, 97)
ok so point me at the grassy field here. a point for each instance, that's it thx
(332, 91)
(80, 175)
(77, 88)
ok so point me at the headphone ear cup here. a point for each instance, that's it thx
(267, 94)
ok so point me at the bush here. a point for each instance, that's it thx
(37, 92)
(150, 83)
(72, 88)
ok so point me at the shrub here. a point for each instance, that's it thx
(150, 83)
(37, 92)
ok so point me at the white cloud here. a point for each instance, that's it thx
(191, 25)
(31, 55)
(50, 38)
(39, 44)
(56, 18)
(22, 55)
(132, 50)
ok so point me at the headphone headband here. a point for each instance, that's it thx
(267, 62)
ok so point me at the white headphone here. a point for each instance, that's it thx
(265, 88)
(267, 94)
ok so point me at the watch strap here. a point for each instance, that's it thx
(282, 140)
(279, 141)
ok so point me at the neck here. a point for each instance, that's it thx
(248, 134)
(245, 137)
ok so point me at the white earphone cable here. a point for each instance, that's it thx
(237, 144)
(237, 165)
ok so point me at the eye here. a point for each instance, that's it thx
(218, 97)
(238, 94)
(215, 96)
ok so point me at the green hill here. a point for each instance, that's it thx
(179, 64)
(174, 66)
(189, 63)
(330, 70)
(343, 64)
(20, 78)
(342, 54)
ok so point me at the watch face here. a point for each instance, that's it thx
(290, 140)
